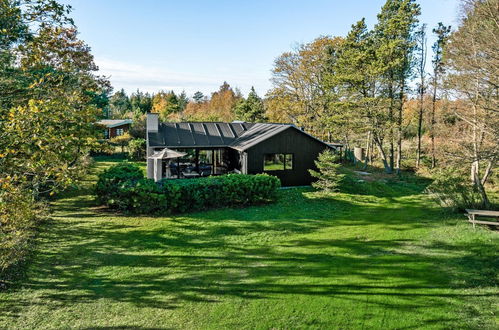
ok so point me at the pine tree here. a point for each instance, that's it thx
(198, 97)
(442, 33)
(329, 176)
(182, 101)
(394, 34)
(119, 104)
(252, 109)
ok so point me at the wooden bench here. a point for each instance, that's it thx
(472, 214)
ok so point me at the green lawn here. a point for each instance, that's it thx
(391, 259)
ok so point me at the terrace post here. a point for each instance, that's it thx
(158, 169)
(152, 126)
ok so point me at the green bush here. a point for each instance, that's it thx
(113, 178)
(139, 195)
(454, 191)
(137, 149)
(101, 147)
(18, 216)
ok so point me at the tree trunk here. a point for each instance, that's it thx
(475, 177)
(399, 125)
(488, 171)
(420, 129)
(433, 122)
(422, 90)
(391, 137)
(399, 135)
(368, 149)
(475, 166)
(388, 169)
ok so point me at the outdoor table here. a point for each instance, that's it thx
(189, 175)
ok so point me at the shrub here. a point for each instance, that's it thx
(115, 177)
(452, 190)
(101, 147)
(139, 195)
(329, 176)
(121, 140)
(143, 194)
(18, 215)
(137, 149)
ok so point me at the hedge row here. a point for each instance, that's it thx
(124, 187)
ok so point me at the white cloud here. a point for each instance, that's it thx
(153, 78)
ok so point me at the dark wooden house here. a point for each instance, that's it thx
(213, 148)
(114, 127)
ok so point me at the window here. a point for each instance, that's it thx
(277, 162)
(288, 161)
(119, 131)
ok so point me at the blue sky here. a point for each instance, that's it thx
(196, 45)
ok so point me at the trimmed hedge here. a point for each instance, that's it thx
(121, 187)
(113, 177)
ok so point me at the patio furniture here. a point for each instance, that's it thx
(173, 170)
(205, 170)
(158, 158)
(472, 214)
(191, 174)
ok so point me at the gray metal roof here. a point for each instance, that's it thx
(110, 123)
(197, 134)
(257, 134)
(237, 135)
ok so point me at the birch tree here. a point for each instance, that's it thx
(473, 63)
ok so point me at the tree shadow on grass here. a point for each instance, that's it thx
(262, 252)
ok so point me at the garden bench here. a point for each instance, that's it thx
(472, 214)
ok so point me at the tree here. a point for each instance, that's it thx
(421, 60)
(119, 105)
(300, 93)
(122, 141)
(250, 109)
(220, 107)
(442, 32)
(394, 35)
(198, 97)
(17, 19)
(137, 149)
(329, 176)
(471, 58)
(141, 103)
(165, 103)
(358, 110)
(182, 101)
(46, 120)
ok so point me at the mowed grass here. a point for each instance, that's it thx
(309, 261)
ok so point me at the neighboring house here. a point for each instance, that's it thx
(215, 148)
(115, 127)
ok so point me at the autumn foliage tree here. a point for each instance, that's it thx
(50, 99)
(165, 104)
(219, 107)
(300, 94)
(472, 62)
(47, 120)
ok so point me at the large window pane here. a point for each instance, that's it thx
(273, 162)
(288, 160)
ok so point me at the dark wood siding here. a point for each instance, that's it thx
(113, 131)
(304, 148)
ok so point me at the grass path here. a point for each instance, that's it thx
(348, 261)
